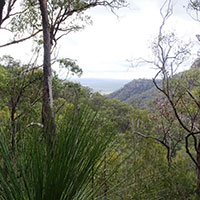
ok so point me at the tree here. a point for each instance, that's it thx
(32, 173)
(53, 15)
(48, 119)
(169, 54)
(168, 131)
(20, 91)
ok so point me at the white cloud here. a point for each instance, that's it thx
(103, 48)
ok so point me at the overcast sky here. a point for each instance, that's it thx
(103, 48)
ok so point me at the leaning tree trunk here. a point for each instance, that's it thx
(48, 119)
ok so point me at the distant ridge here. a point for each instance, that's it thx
(137, 92)
(142, 92)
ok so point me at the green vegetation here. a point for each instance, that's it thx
(99, 152)
(32, 172)
(138, 92)
(60, 141)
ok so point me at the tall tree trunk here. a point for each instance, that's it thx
(48, 119)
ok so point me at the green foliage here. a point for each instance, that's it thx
(34, 172)
(85, 152)
(145, 174)
(70, 66)
(81, 167)
(20, 92)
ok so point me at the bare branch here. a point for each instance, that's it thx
(193, 98)
(160, 141)
(20, 40)
(165, 15)
(151, 137)
(10, 7)
(188, 150)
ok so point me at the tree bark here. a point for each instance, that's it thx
(198, 170)
(2, 4)
(48, 119)
(13, 125)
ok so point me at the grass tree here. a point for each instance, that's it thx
(34, 174)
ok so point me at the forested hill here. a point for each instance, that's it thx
(137, 92)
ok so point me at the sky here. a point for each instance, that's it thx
(104, 49)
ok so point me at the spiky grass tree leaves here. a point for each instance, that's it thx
(35, 174)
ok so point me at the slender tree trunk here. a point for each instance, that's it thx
(198, 170)
(169, 159)
(13, 125)
(48, 119)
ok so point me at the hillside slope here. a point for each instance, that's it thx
(141, 92)
(137, 92)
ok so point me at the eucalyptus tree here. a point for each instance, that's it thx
(54, 19)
